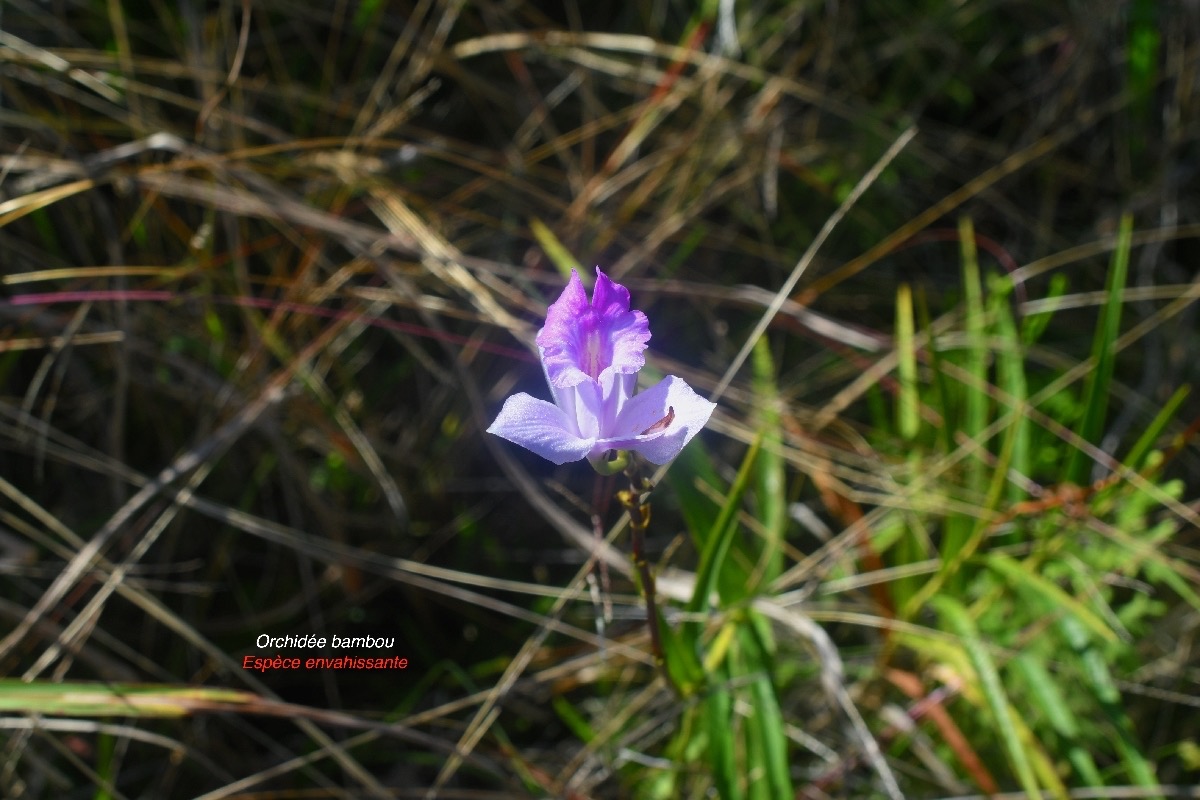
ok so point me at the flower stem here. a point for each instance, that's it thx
(636, 502)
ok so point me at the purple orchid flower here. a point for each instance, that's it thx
(591, 354)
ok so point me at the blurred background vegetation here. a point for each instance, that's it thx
(270, 268)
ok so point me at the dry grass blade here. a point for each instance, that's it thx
(785, 291)
(181, 467)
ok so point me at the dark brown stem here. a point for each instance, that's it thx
(636, 502)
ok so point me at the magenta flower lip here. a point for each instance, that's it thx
(592, 340)
(591, 354)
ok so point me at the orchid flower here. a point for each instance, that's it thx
(591, 354)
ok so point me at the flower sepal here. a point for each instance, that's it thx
(610, 462)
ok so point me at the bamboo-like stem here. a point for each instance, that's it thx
(636, 502)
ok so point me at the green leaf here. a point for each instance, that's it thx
(120, 700)
(1142, 446)
(106, 765)
(960, 527)
(1021, 575)
(957, 619)
(908, 403)
(692, 469)
(366, 12)
(721, 534)
(555, 250)
(1098, 677)
(573, 719)
(1010, 375)
(1035, 324)
(1099, 381)
(718, 712)
(766, 718)
(975, 418)
(770, 474)
(714, 530)
(681, 658)
(697, 232)
(941, 393)
(1059, 714)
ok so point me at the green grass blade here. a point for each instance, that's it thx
(106, 766)
(555, 250)
(1170, 572)
(941, 392)
(975, 417)
(956, 618)
(122, 700)
(951, 571)
(716, 571)
(691, 469)
(1143, 46)
(718, 712)
(908, 403)
(770, 475)
(1022, 576)
(754, 766)
(573, 719)
(680, 653)
(696, 235)
(1010, 375)
(1099, 382)
(1044, 768)
(877, 407)
(959, 527)
(721, 535)
(766, 717)
(1035, 324)
(1099, 679)
(1155, 429)
(1059, 714)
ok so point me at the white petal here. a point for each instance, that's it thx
(541, 427)
(670, 397)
